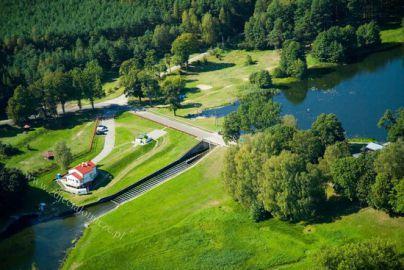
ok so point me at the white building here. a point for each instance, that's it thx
(79, 178)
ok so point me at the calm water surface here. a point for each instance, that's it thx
(358, 94)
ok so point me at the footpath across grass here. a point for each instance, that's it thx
(191, 223)
(127, 163)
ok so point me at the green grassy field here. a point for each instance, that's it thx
(393, 35)
(127, 164)
(191, 223)
(74, 131)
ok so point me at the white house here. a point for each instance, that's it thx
(79, 178)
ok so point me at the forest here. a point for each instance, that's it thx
(40, 38)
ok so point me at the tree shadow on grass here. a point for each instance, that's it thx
(335, 208)
(191, 105)
(206, 67)
(9, 131)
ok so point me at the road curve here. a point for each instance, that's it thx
(201, 134)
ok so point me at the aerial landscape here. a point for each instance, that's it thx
(202, 134)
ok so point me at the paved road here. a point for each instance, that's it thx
(214, 138)
(109, 142)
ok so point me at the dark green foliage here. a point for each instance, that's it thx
(231, 127)
(332, 153)
(345, 173)
(7, 150)
(258, 171)
(182, 48)
(368, 35)
(288, 190)
(293, 60)
(278, 73)
(21, 105)
(172, 88)
(335, 45)
(373, 254)
(339, 44)
(307, 145)
(256, 112)
(63, 155)
(261, 78)
(40, 37)
(13, 184)
(328, 129)
(393, 122)
(275, 21)
(258, 212)
(387, 191)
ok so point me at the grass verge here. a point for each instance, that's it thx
(191, 223)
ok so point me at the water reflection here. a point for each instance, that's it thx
(357, 93)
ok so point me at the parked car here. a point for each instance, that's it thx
(101, 130)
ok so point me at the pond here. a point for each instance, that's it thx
(358, 94)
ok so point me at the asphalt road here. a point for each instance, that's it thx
(201, 134)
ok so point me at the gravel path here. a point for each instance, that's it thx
(109, 142)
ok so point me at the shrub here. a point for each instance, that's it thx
(7, 150)
(373, 254)
(368, 35)
(278, 73)
(293, 62)
(261, 78)
(248, 60)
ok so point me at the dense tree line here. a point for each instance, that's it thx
(41, 37)
(335, 30)
(280, 170)
(13, 184)
(275, 21)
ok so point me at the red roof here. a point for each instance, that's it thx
(78, 176)
(85, 167)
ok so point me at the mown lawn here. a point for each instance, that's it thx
(393, 35)
(128, 164)
(76, 133)
(191, 223)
